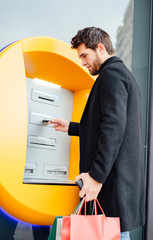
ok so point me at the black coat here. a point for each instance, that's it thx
(110, 134)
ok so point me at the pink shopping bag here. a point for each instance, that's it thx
(91, 227)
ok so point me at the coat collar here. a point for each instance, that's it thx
(109, 61)
(92, 93)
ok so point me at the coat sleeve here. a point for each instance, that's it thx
(113, 96)
(74, 129)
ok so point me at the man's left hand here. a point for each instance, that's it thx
(91, 188)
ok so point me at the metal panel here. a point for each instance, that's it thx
(149, 205)
(48, 151)
(140, 69)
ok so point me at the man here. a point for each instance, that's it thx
(110, 131)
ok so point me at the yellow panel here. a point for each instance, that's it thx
(53, 60)
(80, 99)
(13, 110)
(37, 204)
(56, 69)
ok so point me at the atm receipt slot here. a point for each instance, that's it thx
(44, 97)
(41, 142)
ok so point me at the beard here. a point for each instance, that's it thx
(95, 69)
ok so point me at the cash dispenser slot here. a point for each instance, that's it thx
(42, 142)
(50, 170)
(30, 168)
(44, 97)
(36, 118)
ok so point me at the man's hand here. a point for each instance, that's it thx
(91, 188)
(60, 124)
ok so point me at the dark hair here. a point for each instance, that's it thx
(91, 36)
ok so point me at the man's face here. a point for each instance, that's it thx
(90, 58)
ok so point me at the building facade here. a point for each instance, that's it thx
(124, 37)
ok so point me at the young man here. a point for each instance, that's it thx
(110, 131)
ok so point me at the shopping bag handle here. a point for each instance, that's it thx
(96, 202)
(83, 201)
(75, 211)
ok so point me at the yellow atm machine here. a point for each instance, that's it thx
(40, 78)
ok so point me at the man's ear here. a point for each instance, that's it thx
(101, 47)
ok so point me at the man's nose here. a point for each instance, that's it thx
(83, 63)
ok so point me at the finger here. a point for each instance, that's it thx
(58, 128)
(47, 123)
(55, 120)
(93, 197)
(88, 197)
(81, 194)
(55, 125)
(78, 178)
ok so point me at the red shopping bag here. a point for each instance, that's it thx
(65, 231)
(91, 227)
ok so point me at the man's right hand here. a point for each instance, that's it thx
(60, 124)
